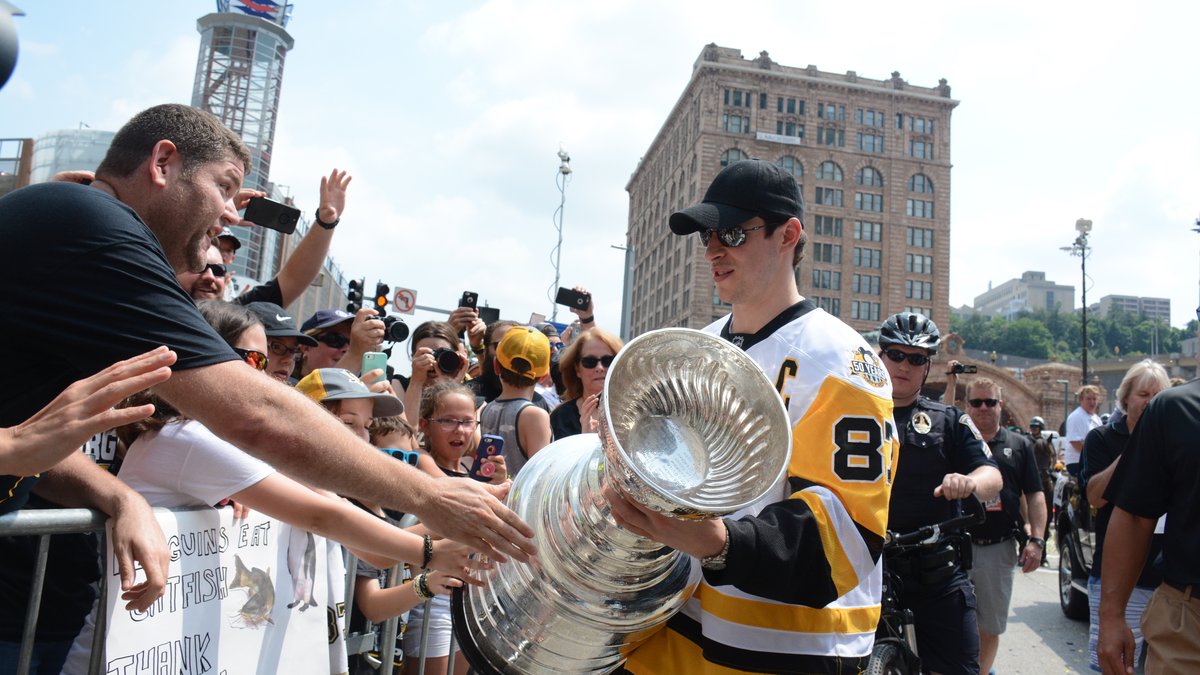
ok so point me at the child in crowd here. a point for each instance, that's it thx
(395, 433)
(447, 422)
(173, 461)
(522, 358)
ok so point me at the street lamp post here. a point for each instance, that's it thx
(1080, 248)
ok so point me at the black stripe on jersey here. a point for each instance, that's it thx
(748, 340)
(874, 542)
(763, 662)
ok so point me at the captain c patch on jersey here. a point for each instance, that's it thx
(865, 364)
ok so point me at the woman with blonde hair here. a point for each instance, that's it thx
(584, 366)
(1102, 449)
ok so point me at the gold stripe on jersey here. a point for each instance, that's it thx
(841, 568)
(780, 616)
(843, 444)
(674, 653)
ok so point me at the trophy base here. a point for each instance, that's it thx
(462, 636)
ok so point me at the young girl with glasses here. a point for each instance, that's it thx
(448, 424)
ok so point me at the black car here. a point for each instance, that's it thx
(1076, 541)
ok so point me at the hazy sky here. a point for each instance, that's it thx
(450, 115)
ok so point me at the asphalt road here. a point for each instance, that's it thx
(1040, 639)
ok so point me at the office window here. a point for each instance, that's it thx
(737, 124)
(831, 305)
(868, 177)
(829, 171)
(867, 284)
(737, 98)
(918, 208)
(791, 165)
(920, 237)
(827, 279)
(866, 201)
(870, 143)
(829, 196)
(789, 128)
(831, 112)
(918, 264)
(920, 149)
(828, 226)
(864, 311)
(831, 136)
(919, 182)
(868, 257)
(732, 155)
(870, 118)
(827, 253)
(920, 125)
(918, 290)
(866, 231)
(762, 101)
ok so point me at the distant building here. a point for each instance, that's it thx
(871, 156)
(1147, 308)
(1029, 293)
(15, 162)
(69, 150)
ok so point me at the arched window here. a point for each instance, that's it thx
(732, 155)
(829, 171)
(869, 177)
(919, 182)
(791, 165)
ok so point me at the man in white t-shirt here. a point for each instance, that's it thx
(1082, 420)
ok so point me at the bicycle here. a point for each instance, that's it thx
(895, 650)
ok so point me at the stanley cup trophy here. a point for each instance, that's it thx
(690, 427)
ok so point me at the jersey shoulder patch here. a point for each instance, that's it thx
(865, 364)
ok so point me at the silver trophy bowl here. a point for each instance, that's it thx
(690, 427)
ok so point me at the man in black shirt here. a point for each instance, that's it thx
(166, 187)
(994, 548)
(942, 459)
(1044, 452)
(1159, 473)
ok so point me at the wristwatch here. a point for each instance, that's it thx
(1039, 541)
(715, 563)
(327, 226)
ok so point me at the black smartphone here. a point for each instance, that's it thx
(572, 298)
(489, 315)
(272, 215)
(489, 446)
(468, 299)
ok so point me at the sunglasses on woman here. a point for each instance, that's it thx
(898, 356)
(730, 236)
(253, 357)
(590, 362)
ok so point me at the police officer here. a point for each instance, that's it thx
(1043, 451)
(942, 459)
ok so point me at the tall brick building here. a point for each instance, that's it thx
(873, 161)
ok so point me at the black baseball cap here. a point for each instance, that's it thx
(740, 192)
(277, 322)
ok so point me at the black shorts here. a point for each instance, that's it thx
(947, 633)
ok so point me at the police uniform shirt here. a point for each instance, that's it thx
(1013, 454)
(1160, 473)
(935, 439)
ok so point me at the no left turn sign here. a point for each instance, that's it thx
(405, 300)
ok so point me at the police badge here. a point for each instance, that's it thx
(921, 423)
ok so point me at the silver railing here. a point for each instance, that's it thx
(44, 523)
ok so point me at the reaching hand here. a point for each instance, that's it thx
(470, 512)
(333, 196)
(455, 558)
(137, 538)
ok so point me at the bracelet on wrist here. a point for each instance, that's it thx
(325, 225)
(428, 554)
(420, 585)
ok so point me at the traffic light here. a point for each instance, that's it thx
(381, 298)
(355, 294)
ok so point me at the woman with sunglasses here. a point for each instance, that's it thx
(584, 366)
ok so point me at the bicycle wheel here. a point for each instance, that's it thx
(887, 659)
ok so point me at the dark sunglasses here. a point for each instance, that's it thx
(334, 340)
(217, 269)
(253, 357)
(980, 402)
(590, 362)
(731, 237)
(281, 350)
(898, 356)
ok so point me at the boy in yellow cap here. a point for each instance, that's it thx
(522, 358)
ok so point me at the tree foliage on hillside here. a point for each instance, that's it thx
(1052, 334)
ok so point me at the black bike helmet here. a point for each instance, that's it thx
(910, 329)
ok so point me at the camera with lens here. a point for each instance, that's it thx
(394, 330)
(962, 368)
(447, 360)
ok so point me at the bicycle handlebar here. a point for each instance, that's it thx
(973, 514)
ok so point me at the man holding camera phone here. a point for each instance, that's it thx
(167, 186)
